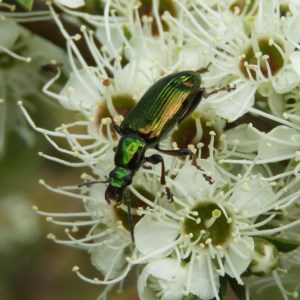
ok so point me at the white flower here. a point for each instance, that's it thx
(202, 226)
(210, 229)
(207, 225)
(244, 52)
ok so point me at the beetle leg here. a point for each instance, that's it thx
(185, 152)
(204, 69)
(177, 152)
(130, 219)
(90, 182)
(116, 127)
(180, 152)
(227, 88)
(194, 163)
(169, 194)
(147, 167)
(156, 159)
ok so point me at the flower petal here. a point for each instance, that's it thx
(153, 235)
(276, 103)
(244, 137)
(279, 143)
(201, 283)
(251, 196)
(169, 276)
(109, 258)
(193, 181)
(240, 255)
(232, 105)
(289, 78)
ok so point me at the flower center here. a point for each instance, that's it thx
(284, 10)
(242, 6)
(195, 130)
(263, 62)
(207, 224)
(146, 9)
(122, 104)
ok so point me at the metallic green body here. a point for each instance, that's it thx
(166, 103)
(130, 152)
(161, 108)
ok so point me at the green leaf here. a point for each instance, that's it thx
(283, 245)
(27, 4)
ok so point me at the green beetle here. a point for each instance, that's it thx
(166, 103)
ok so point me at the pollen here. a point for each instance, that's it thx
(75, 269)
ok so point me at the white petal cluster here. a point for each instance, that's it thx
(229, 214)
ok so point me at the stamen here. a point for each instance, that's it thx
(274, 230)
(157, 17)
(212, 278)
(61, 215)
(232, 268)
(102, 282)
(283, 291)
(189, 275)
(184, 28)
(216, 213)
(68, 194)
(14, 55)
(273, 118)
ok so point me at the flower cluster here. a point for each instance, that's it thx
(226, 218)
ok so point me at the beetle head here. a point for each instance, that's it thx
(114, 195)
(119, 179)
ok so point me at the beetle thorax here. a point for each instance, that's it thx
(130, 152)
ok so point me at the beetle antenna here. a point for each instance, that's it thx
(227, 88)
(204, 69)
(130, 219)
(91, 182)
